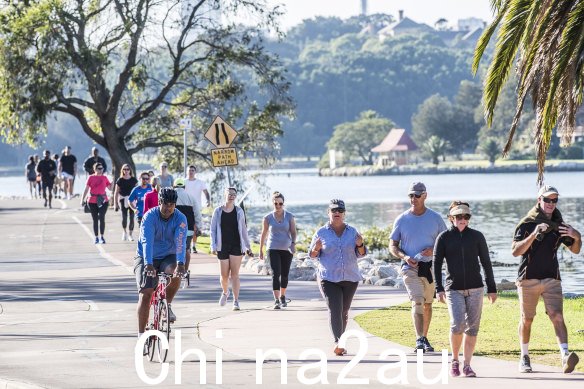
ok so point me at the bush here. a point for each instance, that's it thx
(377, 238)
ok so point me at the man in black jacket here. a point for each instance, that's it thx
(537, 239)
(92, 160)
(48, 171)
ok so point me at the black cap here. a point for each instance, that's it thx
(336, 203)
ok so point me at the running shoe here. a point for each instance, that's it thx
(277, 304)
(420, 344)
(223, 298)
(525, 364)
(569, 362)
(427, 346)
(102, 240)
(283, 301)
(130, 237)
(468, 371)
(96, 240)
(339, 351)
(236, 305)
(171, 315)
(194, 250)
(455, 368)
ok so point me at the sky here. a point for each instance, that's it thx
(423, 11)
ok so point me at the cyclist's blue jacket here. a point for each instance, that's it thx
(160, 238)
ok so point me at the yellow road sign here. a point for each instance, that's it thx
(224, 157)
(220, 133)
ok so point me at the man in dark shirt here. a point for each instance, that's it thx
(48, 171)
(92, 160)
(68, 171)
(537, 239)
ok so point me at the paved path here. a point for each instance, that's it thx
(67, 319)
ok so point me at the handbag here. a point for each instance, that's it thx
(86, 208)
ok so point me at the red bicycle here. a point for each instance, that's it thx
(159, 318)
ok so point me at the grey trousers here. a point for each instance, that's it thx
(465, 308)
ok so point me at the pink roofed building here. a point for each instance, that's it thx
(395, 149)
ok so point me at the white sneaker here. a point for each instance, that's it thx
(223, 298)
(130, 238)
(236, 305)
(124, 236)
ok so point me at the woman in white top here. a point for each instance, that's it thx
(281, 227)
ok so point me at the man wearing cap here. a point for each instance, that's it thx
(412, 240)
(537, 239)
(187, 204)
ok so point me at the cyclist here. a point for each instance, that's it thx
(161, 248)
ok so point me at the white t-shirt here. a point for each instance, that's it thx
(195, 188)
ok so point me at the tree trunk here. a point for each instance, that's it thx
(118, 152)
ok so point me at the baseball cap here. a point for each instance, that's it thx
(460, 209)
(417, 188)
(547, 190)
(336, 203)
(179, 182)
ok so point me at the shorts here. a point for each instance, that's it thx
(529, 292)
(67, 176)
(32, 179)
(230, 250)
(419, 289)
(159, 264)
(465, 308)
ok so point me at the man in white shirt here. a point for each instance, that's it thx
(196, 188)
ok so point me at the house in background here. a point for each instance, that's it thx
(395, 149)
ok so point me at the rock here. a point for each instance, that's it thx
(365, 260)
(379, 262)
(371, 280)
(386, 271)
(506, 286)
(308, 263)
(385, 282)
(399, 284)
(302, 274)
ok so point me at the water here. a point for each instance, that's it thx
(498, 202)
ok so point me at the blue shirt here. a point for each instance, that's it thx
(338, 255)
(160, 238)
(137, 195)
(280, 234)
(416, 233)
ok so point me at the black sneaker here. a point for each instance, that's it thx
(277, 304)
(194, 250)
(427, 346)
(283, 301)
(525, 364)
(420, 344)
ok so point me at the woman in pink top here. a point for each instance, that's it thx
(96, 185)
(151, 198)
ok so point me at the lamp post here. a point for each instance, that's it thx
(186, 124)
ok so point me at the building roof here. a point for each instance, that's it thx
(405, 24)
(396, 140)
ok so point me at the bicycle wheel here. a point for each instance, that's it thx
(152, 325)
(164, 327)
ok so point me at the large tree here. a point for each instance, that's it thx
(357, 138)
(128, 70)
(547, 40)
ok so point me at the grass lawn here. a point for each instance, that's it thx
(498, 336)
(204, 243)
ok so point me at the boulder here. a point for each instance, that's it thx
(386, 271)
(385, 282)
(371, 280)
(302, 274)
(506, 285)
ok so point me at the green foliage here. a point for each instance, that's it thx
(436, 147)
(357, 138)
(377, 238)
(498, 335)
(491, 149)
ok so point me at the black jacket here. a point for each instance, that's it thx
(462, 252)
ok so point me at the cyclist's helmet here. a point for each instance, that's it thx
(167, 196)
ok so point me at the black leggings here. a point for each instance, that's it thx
(125, 212)
(280, 261)
(338, 296)
(98, 215)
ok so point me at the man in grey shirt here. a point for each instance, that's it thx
(412, 240)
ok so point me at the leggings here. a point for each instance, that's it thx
(280, 261)
(98, 215)
(338, 296)
(125, 212)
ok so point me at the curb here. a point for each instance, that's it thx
(13, 384)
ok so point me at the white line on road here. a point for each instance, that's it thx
(105, 255)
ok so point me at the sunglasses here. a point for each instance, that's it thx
(145, 178)
(164, 166)
(337, 210)
(126, 170)
(277, 203)
(548, 201)
(99, 168)
(411, 196)
(460, 217)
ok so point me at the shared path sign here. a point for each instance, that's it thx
(221, 135)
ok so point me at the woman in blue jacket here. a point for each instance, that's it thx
(229, 240)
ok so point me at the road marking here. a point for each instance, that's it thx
(104, 254)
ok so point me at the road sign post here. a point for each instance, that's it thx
(186, 124)
(221, 135)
